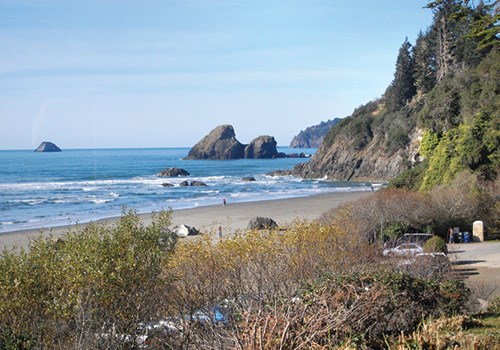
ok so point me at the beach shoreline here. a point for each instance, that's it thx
(233, 217)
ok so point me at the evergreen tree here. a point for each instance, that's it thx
(486, 28)
(425, 62)
(444, 26)
(402, 87)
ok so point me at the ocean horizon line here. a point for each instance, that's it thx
(119, 148)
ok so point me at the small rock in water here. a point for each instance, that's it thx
(47, 146)
(173, 172)
(197, 183)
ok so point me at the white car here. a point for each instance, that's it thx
(403, 249)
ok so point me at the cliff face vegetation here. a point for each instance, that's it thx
(438, 117)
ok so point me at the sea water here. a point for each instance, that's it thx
(52, 189)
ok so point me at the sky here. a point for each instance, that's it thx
(132, 74)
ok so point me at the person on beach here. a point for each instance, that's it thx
(452, 240)
(219, 231)
(224, 202)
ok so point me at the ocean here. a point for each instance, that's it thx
(53, 189)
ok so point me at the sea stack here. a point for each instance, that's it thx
(220, 143)
(262, 147)
(47, 147)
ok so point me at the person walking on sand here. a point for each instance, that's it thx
(452, 240)
(224, 202)
(219, 231)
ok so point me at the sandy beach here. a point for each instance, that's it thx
(234, 216)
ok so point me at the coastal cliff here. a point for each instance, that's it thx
(439, 117)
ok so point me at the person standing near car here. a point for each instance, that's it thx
(452, 240)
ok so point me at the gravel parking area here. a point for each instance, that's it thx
(478, 263)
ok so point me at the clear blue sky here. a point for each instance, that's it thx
(114, 73)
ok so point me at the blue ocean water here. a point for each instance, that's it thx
(51, 189)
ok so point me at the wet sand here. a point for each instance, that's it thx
(233, 217)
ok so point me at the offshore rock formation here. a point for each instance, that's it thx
(47, 146)
(220, 143)
(173, 172)
(262, 147)
(312, 137)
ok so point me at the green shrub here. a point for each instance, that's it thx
(429, 142)
(411, 179)
(397, 138)
(394, 230)
(435, 245)
(93, 279)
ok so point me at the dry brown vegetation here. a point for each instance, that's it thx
(391, 212)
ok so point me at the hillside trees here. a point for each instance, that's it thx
(462, 115)
(402, 88)
(445, 27)
(425, 64)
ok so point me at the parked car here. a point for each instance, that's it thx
(425, 264)
(403, 249)
(418, 238)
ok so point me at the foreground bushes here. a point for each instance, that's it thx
(312, 285)
(360, 308)
(94, 281)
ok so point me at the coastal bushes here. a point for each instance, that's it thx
(310, 285)
(435, 244)
(390, 212)
(85, 288)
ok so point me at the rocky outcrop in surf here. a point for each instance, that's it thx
(262, 147)
(173, 172)
(220, 143)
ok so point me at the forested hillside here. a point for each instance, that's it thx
(438, 117)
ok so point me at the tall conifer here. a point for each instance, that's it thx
(425, 62)
(402, 88)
